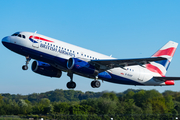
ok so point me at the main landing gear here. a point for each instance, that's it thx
(25, 67)
(95, 83)
(71, 84)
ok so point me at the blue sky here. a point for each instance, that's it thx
(123, 29)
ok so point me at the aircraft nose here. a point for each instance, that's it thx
(5, 40)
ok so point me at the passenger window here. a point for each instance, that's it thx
(67, 49)
(53, 45)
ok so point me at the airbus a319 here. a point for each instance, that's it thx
(54, 56)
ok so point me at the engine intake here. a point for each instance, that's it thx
(45, 69)
(81, 66)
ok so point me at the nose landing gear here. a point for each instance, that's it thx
(71, 84)
(25, 67)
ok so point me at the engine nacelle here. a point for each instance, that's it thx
(81, 66)
(45, 69)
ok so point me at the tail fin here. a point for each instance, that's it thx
(167, 51)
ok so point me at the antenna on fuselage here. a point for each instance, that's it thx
(34, 33)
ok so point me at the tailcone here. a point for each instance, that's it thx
(169, 82)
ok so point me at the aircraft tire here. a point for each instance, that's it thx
(71, 85)
(24, 67)
(92, 84)
(97, 84)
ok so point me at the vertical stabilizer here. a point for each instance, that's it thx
(167, 51)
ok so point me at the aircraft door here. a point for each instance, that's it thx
(35, 41)
(141, 74)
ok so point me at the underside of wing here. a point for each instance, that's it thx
(112, 63)
(167, 78)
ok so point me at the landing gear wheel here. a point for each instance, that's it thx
(92, 84)
(71, 85)
(95, 84)
(24, 67)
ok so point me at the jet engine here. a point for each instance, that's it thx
(81, 66)
(45, 69)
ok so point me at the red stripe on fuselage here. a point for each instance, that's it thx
(168, 51)
(154, 69)
(40, 38)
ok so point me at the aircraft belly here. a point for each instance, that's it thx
(122, 76)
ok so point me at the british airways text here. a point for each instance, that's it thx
(56, 49)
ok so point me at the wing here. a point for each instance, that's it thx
(112, 63)
(167, 78)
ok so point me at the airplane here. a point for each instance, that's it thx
(52, 57)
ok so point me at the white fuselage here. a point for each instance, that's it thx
(42, 46)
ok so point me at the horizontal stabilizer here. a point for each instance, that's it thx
(167, 78)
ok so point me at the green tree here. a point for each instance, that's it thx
(111, 96)
(25, 107)
(61, 108)
(139, 98)
(43, 107)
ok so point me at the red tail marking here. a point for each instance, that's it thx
(169, 51)
(154, 69)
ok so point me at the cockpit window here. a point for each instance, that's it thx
(15, 34)
(19, 35)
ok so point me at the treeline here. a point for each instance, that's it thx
(55, 96)
(70, 104)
